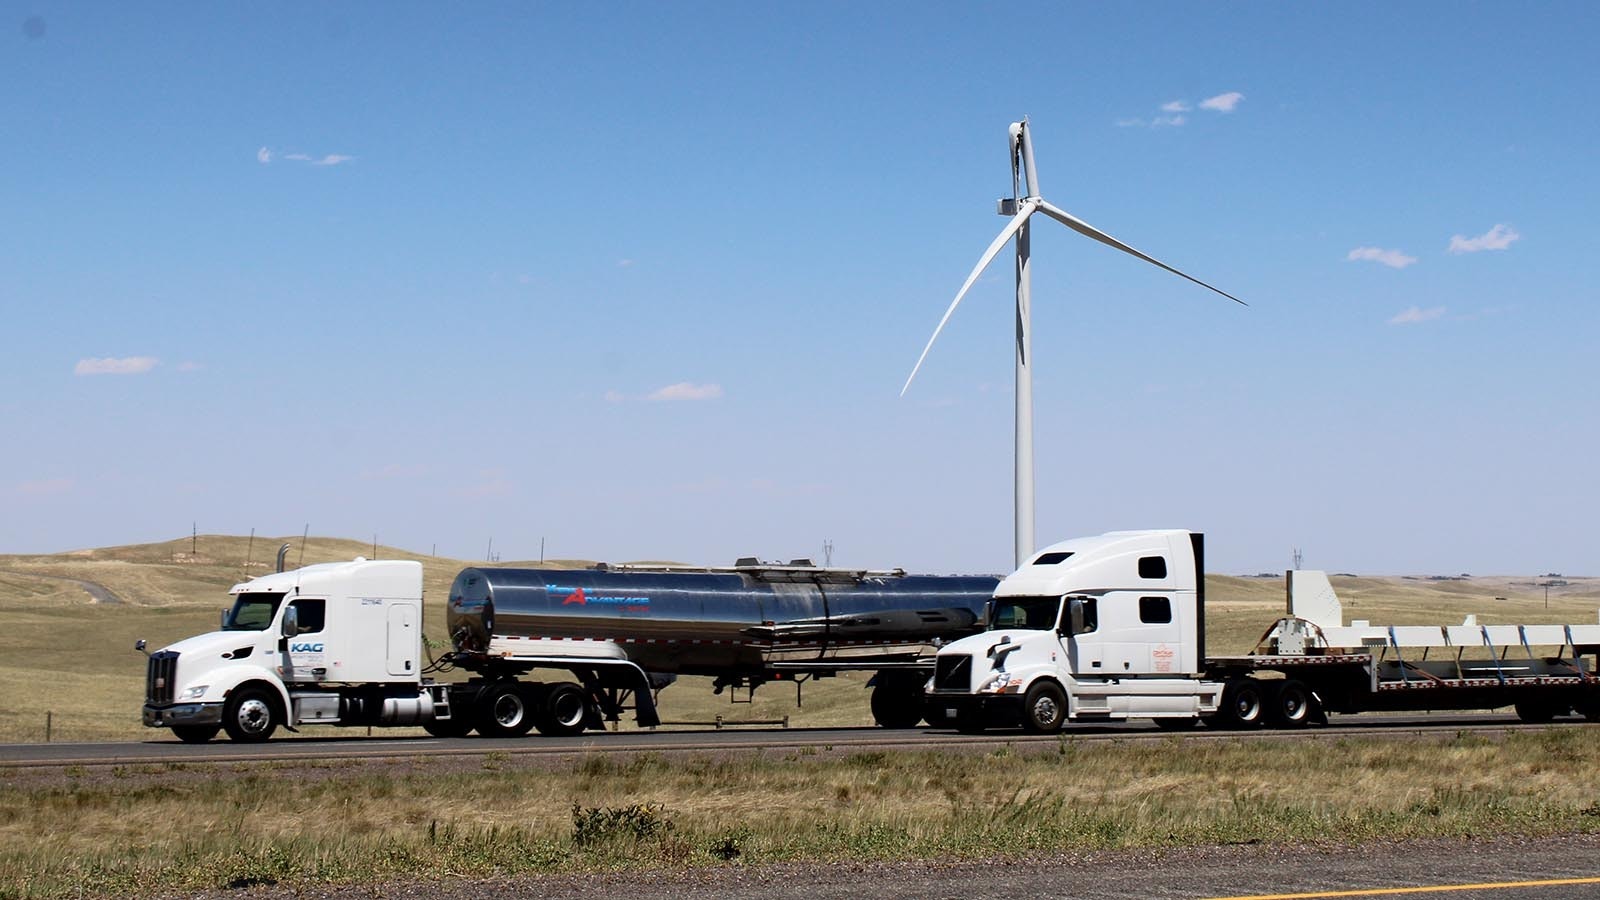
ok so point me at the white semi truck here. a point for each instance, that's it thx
(1113, 627)
(341, 644)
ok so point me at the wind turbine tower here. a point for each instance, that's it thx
(1020, 207)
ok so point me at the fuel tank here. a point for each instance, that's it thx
(717, 621)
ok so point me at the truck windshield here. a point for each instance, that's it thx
(1032, 613)
(252, 612)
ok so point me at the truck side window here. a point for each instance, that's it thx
(1155, 610)
(1152, 567)
(312, 614)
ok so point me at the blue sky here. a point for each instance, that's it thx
(644, 280)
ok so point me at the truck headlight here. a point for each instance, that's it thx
(194, 693)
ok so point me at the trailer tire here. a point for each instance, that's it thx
(1044, 708)
(1243, 704)
(250, 716)
(504, 711)
(195, 734)
(564, 711)
(1293, 706)
(1536, 712)
(897, 706)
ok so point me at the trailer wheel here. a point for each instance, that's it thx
(897, 705)
(1536, 712)
(565, 709)
(1243, 704)
(503, 711)
(250, 716)
(1044, 708)
(195, 734)
(1292, 705)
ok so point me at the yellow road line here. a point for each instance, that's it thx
(1430, 889)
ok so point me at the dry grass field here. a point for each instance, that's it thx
(64, 653)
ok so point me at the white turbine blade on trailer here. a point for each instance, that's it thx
(1027, 209)
(1087, 230)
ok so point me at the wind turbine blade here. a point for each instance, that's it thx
(1087, 230)
(1006, 234)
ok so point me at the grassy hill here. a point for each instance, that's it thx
(65, 651)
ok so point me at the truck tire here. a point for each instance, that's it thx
(1589, 709)
(250, 716)
(503, 710)
(195, 734)
(1044, 708)
(1243, 704)
(564, 711)
(1536, 712)
(895, 705)
(933, 713)
(1293, 706)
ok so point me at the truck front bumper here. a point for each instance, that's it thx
(977, 709)
(183, 714)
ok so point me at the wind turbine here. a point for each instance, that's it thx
(1020, 209)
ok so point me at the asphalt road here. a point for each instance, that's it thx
(164, 748)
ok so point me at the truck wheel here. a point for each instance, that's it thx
(1044, 708)
(895, 706)
(503, 711)
(250, 716)
(1243, 704)
(1535, 712)
(933, 713)
(565, 708)
(1589, 709)
(1292, 705)
(195, 734)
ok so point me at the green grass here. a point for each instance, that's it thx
(347, 823)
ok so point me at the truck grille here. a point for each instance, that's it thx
(952, 672)
(159, 684)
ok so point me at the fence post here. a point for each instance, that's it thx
(49, 717)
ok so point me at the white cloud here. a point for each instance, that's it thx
(1130, 123)
(683, 390)
(264, 156)
(1394, 259)
(1176, 106)
(128, 365)
(1497, 238)
(1417, 315)
(1222, 102)
(45, 487)
(330, 159)
(1173, 121)
(624, 263)
(190, 366)
(614, 397)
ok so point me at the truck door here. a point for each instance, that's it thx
(403, 639)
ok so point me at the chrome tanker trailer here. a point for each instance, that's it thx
(341, 644)
(744, 626)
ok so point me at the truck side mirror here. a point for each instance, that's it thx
(291, 622)
(139, 645)
(223, 624)
(1075, 615)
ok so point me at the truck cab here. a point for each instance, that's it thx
(1093, 629)
(335, 643)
